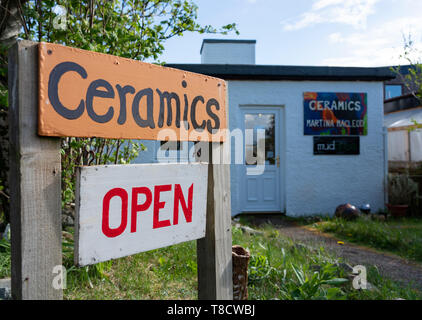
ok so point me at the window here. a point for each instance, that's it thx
(266, 122)
(393, 90)
(171, 145)
(169, 151)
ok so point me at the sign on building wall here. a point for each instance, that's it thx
(89, 94)
(334, 113)
(127, 209)
(336, 145)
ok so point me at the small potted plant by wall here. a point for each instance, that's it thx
(401, 191)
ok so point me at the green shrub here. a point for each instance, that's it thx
(401, 189)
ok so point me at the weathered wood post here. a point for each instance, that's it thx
(35, 176)
(214, 252)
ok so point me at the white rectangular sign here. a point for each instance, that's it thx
(127, 209)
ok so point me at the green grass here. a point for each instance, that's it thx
(399, 236)
(167, 273)
(278, 269)
(4, 258)
(281, 269)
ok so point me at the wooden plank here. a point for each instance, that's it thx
(34, 184)
(91, 94)
(127, 209)
(402, 128)
(214, 252)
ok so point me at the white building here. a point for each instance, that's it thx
(311, 166)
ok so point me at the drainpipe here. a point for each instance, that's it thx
(409, 154)
(385, 140)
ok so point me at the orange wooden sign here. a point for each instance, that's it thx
(89, 94)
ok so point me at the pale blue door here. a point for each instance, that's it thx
(261, 188)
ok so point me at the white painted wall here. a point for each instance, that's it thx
(311, 184)
(228, 53)
(152, 153)
(315, 184)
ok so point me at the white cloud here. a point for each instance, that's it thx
(308, 18)
(336, 37)
(321, 4)
(380, 46)
(350, 12)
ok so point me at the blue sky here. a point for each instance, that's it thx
(309, 32)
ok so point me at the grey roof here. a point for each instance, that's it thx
(277, 72)
(403, 69)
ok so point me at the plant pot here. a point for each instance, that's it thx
(240, 259)
(397, 210)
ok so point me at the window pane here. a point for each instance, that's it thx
(171, 145)
(392, 90)
(266, 122)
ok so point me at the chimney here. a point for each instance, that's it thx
(214, 51)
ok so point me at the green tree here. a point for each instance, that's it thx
(412, 79)
(135, 29)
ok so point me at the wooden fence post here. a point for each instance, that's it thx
(35, 177)
(214, 252)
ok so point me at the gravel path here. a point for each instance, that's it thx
(389, 265)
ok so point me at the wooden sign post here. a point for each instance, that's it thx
(214, 251)
(35, 177)
(87, 94)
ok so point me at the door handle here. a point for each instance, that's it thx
(278, 161)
